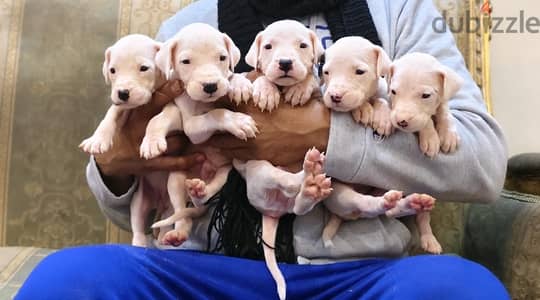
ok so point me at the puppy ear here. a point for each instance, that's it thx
(389, 75)
(105, 68)
(165, 58)
(383, 61)
(318, 49)
(252, 57)
(234, 52)
(452, 82)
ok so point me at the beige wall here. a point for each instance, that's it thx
(516, 85)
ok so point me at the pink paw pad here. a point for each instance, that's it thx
(391, 199)
(317, 187)
(196, 187)
(174, 238)
(421, 202)
(314, 161)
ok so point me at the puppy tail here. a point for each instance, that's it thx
(188, 212)
(330, 230)
(269, 228)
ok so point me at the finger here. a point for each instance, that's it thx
(173, 163)
(167, 93)
(176, 144)
(227, 141)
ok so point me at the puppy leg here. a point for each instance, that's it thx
(240, 89)
(381, 117)
(139, 209)
(265, 94)
(412, 204)
(349, 204)
(269, 228)
(363, 114)
(200, 192)
(154, 142)
(200, 128)
(446, 130)
(429, 140)
(102, 139)
(300, 93)
(427, 239)
(177, 194)
(315, 187)
(330, 230)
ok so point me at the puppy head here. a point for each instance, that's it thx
(418, 84)
(285, 52)
(351, 72)
(130, 69)
(202, 58)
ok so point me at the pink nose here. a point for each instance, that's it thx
(336, 98)
(403, 124)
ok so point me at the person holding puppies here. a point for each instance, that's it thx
(473, 173)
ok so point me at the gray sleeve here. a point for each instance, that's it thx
(474, 173)
(202, 11)
(116, 208)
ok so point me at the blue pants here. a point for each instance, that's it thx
(125, 272)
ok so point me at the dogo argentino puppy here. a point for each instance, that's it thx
(203, 59)
(285, 52)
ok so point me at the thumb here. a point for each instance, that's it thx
(173, 163)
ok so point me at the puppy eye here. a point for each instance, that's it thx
(425, 96)
(186, 61)
(360, 72)
(222, 58)
(267, 46)
(112, 70)
(303, 45)
(143, 68)
(393, 92)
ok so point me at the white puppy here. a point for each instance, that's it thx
(275, 192)
(420, 87)
(352, 74)
(203, 59)
(129, 67)
(285, 53)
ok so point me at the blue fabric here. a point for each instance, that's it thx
(126, 272)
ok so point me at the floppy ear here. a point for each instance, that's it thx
(389, 75)
(452, 82)
(105, 68)
(157, 47)
(252, 57)
(165, 58)
(383, 61)
(318, 49)
(234, 52)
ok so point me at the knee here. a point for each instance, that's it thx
(69, 274)
(445, 277)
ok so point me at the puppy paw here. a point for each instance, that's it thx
(449, 140)
(430, 244)
(420, 202)
(242, 126)
(317, 187)
(174, 238)
(152, 146)
(265, 94)
(363, 114)
(196, 189)
(240, 89)
(298, 94)
(391, 199)
(139, 240)
(429, 143)
(382, 123)
(314, 162)
(97, 144)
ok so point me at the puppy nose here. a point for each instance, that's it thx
(210, 87)
(336, 98)
(123, 95)
(403, 124)
(285, 64)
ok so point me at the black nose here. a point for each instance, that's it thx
(403, 124)
(285, 64)
(336, 98)
(123, 95)
(209, 87)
